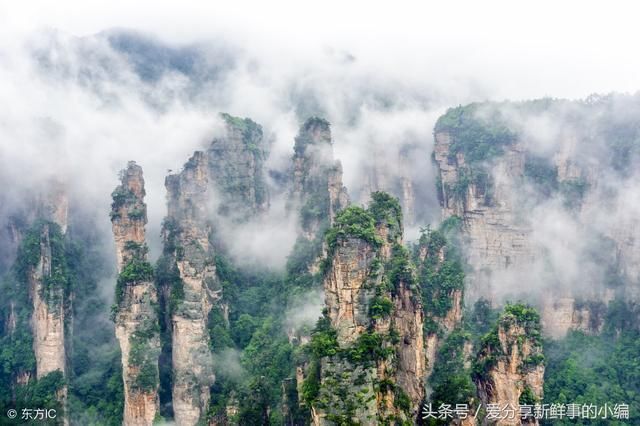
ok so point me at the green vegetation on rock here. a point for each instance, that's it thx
(513, 315)
(94, 377)
(542, 173)
(136, 270)
(250, 129)
(599, 369)
(353, 222)
(303, 139)
(479, 131)
(386, 210)
(451, 380)
(144, 356)
(440, 272)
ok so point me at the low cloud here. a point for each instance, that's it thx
(227, 365)
(305, 310)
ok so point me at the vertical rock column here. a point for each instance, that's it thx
(48, 310)
(317, 191)
(441, 318)
(497, 239)
(374, 371)
(236, 169)
(187, 233)
(509, 370)
(48, 285)
(406, 368)
(316, 195)
(135, 309)
(408, 322)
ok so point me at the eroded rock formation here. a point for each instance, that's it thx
(444, 306)
(194, 287)
(221, 186)
(48, 288)
(510, 196)
(317, 192)
(509, 370)
(235, 162)
(136, 301)
(560, 314)
(376, 369)
(315, 196)
(496, 239)
(387, 169)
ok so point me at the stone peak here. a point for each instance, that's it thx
(314, 131)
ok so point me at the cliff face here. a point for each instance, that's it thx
(316, 195)
(562, 314)
(54, 204)
(217, 187)
(523, 206)
(194, 289)
(136, 300)
(408, 321)
(36, 312)
(443, 304)
(509, 370)
(385, 171)
(50, 290)
(497, 240)
(345, 294)
(47, 288)
(443, 326)
(50, 204)
(316, 189)
(375, 371)
(235, 163)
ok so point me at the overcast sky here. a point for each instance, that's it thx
(504, 48)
